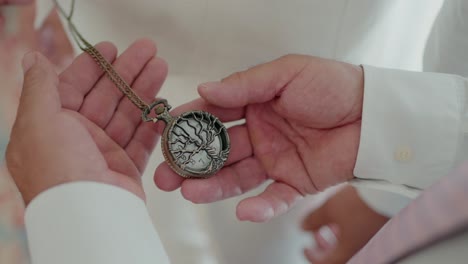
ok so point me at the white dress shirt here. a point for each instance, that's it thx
(91, 223)
(205, 41)
(413, 133)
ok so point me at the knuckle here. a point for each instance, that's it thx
(34, 76)
(234, 77)
(291, 57)
(298, 61)
(13, 158)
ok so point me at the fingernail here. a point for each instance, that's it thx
(268, 214)
(260, 215)
(29, 60)
(209, 86)
(328, 235)
(47, 40)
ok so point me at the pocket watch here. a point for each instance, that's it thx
(195, 144)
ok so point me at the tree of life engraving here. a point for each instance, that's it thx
(198, 143)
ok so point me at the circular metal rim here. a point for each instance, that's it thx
(170, 159)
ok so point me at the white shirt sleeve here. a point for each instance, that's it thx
(383, 197)
(92, 223)
(413, 126)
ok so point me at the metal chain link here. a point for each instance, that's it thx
(112, 74)
(107, 67)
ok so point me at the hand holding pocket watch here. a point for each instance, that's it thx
(302, 127)
(194, 144)
(301, 133)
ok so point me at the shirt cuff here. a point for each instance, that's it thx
(93, 223)
(385, 198)
(411, 126)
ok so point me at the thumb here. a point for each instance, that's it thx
(259, 84)
(40, 88)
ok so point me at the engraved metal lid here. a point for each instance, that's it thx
(196, 144)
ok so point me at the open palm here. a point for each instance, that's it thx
(302, 131)
(84, 129)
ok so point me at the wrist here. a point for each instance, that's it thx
(30, 190)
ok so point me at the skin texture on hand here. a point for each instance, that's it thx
(350, 221)
(78, 127)
(302, 126)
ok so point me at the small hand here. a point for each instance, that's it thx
(341, 227)
(302, 126)
(79, 126)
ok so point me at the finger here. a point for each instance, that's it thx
(241, 148)
(81, 76)
(317, 218)
(100, 103)
(275, 200)
(321, 215)
(142, 144)
(256, 85)
(224, 114)
(127, 116)
(326, 248)
(327, 236)
(113, 154)
(166, 179)
(315, 255)
(39, 95)
(335, 255)
(229, 182)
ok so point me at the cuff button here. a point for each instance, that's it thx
(403, 154)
